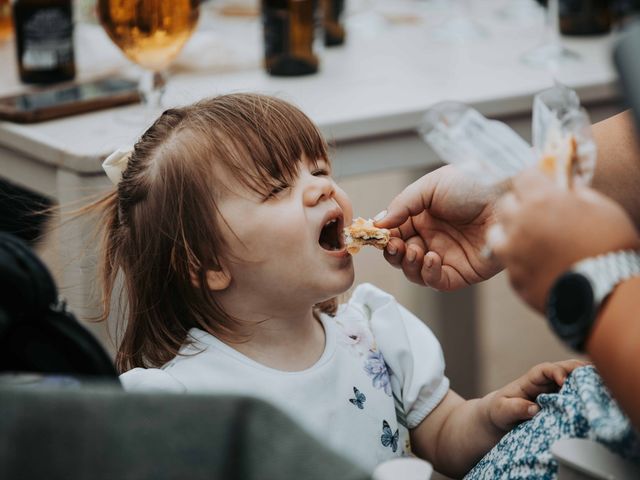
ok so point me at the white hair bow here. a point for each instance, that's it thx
(116, 163)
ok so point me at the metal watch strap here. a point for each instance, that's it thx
(606, 271)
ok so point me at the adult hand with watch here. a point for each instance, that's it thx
(575, 257)
(546, 234)
(543, 230)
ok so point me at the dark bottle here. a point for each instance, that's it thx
(6, 25)
(624, 12)
(44, 40)
(289, 27)
(585, 17)
(334, 32)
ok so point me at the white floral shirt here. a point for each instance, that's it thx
(381, 373)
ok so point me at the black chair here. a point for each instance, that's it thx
(37, 333)
(106, 433)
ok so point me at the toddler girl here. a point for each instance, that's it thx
(226, 226)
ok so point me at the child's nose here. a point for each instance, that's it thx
(320, 188)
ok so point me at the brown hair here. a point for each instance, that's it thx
(159, 226)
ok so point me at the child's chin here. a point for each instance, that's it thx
(338, 288)
(347, 284)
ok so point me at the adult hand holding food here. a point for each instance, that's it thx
(439, 224)
(444, 217)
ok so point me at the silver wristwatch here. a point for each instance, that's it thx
(576, 296)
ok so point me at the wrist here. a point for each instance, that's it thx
(610, 329)
(578, 295)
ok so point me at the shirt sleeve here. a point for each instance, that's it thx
(150, 379)
(410, 350)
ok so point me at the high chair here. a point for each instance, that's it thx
(583, 459)
(101, 432)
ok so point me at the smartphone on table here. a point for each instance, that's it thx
(68, 99)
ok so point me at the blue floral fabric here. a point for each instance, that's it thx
(583, 408)
(376, 368)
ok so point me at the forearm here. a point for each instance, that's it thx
(464, 437)
(614, 344)
(618, 166)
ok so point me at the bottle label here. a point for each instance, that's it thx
(276, 31)
(48, 39)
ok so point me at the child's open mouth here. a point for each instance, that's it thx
(331, 237)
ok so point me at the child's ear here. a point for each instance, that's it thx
(218, 279)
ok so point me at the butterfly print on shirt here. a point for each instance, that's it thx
(359, 399)
(388, 438)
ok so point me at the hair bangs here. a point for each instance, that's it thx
(263, 144)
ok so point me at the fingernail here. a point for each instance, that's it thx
(391, 250)
(533, 409)
(380, 216)
(429, 262)
(411, 255)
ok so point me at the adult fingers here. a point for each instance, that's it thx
(497, 236)
(410, 201)
(395, 251)
(431, 272)
(412, 262)
(496, 240)
(507, 208)
(532, 183)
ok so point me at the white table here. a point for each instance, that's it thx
(368, 99)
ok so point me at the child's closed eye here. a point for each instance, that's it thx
(320, 172)
(277, 190)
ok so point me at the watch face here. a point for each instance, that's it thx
(571, 307)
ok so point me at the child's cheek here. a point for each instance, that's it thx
(345, 203)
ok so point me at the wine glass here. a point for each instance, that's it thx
(150, 33)
(551, 53)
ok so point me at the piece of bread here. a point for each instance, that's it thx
(560, 161)
(362, 232)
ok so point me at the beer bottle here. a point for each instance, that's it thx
(624, 12)
(334, 32)
(6, 25)
(44, 40)
(289, 28)
(585, 17)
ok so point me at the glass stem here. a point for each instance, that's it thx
(152, 87)
(553, 23)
